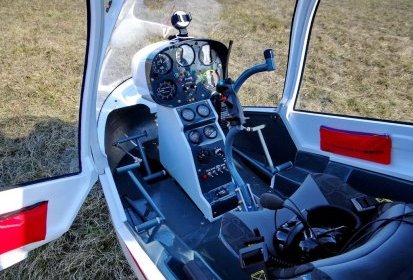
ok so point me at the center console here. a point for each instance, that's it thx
(191, 146)
(180, 76)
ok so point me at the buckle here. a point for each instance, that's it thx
(364, 203)
(253, 259)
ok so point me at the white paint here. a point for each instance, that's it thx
(123, 96)
(176, 155)
(128, 242)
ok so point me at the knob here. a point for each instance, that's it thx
(204, 156)
(219, 152)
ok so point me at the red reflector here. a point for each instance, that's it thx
(367, 146)
(23, 226)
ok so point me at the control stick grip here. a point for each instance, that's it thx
(268, 53)
(269, 59)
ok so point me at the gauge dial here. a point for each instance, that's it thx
(166, 90)
(210, 79)
(210, 132)
(203, 110)
(207, 55)
(204, 156)
(185, 55)
(195, 137)
(188, 115)
(161, 64)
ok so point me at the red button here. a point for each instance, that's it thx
(204, 176)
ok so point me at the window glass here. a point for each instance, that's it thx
(253, 26)
(42, 54)
(360, 60)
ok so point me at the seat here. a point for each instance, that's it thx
(316, 190)
(386, 254)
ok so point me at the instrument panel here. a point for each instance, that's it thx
(186, 71)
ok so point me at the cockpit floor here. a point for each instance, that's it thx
(187, 222)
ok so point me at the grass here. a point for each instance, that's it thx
(360, 63)
(42, 51)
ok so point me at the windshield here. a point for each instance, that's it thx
(267, 25)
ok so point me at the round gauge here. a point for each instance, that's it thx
(195, 137)
(166, 90)
(207, 55)
(185, 55)
(161, 64)
(210, 79)
(210, 132)
(203, 110)
(188, 114)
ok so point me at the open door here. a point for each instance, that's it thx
(50, 70)
(342, 105)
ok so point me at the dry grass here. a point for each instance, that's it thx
(42, 52)
(361, 62)
(255, 26)
(41, 60)
(42, 49)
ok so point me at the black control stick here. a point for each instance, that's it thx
(236, 118)
(229, 89)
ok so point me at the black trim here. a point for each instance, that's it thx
(41, 180)
(301, 79)
(306, 52)
(37, 181)
(355, 117)
(83, 86)
(289, 47)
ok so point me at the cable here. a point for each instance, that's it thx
(389, 220)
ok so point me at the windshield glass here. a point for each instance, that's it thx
(253, 30)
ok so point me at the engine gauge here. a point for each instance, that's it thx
(166, 90)
(187, 114)
(161, 64)
(195, 137)
(210, 132)
(185, 55)
(207, 55)
(203, 110)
